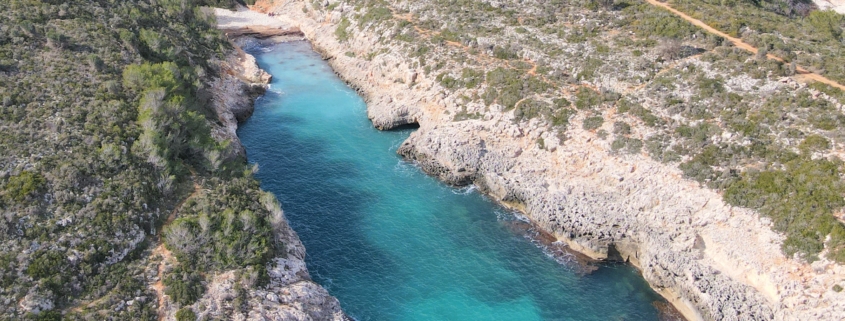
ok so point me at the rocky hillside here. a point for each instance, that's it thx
(123, 190)
(626, 131)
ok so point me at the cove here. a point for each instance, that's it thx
(392, 243)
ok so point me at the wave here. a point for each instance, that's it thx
(510, 215)
(274, 90)
(404, 168)
(464, 190)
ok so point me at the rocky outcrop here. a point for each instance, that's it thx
(37, 300)
(711, 260)
(241, 81)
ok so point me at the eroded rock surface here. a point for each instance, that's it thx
(233, 95)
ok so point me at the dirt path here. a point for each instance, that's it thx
(805, 75)
(160, 250)
(166, 255)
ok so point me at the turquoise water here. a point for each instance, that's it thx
(392, 243)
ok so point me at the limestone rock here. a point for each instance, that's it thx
(37, 301)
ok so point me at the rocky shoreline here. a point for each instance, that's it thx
(710, 260)
(290, 293)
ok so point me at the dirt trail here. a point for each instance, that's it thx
(159, 285)
(160, 250)
(805, 75)
(166, 255)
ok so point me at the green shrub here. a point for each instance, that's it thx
(814, 143)
(49, 315)
(593, 122)
(501, 77)
(800, 200)
(186, 314)
(24, 185)
(490, 96)
(559, 117)
(530, 108)
(618, 143)
(649, 21)
(602, 134)
(710, 87)
(589, 68)
(700, 166)
(658, 147)
(223, 228)
(45, 264)
(630, 145)
(184, 287)
(634, 146)
(827, 120)
(375, 14)
(448, 82)
(509, 96)
(471, 78)
(504, 53)
(586, 98)
(827, 23)
(340, 32)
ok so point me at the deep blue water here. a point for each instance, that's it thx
(392, 243)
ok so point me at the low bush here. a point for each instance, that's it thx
(593, 122)
(814, 143)
(183, 287)
(626, 144)
(24, 185)
(800, 200)
(586, 98)
(186, 314)
(341, 31)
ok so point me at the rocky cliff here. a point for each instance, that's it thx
(289, 294)
(234, 93)
(711, 260)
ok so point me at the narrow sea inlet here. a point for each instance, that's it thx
(392, 243)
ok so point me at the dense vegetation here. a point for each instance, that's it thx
(788, 29)
(106, 127)
(646, 81)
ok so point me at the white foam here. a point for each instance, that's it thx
(464, 190)
(404, 168)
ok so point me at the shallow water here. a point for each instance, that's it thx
(392, 243)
